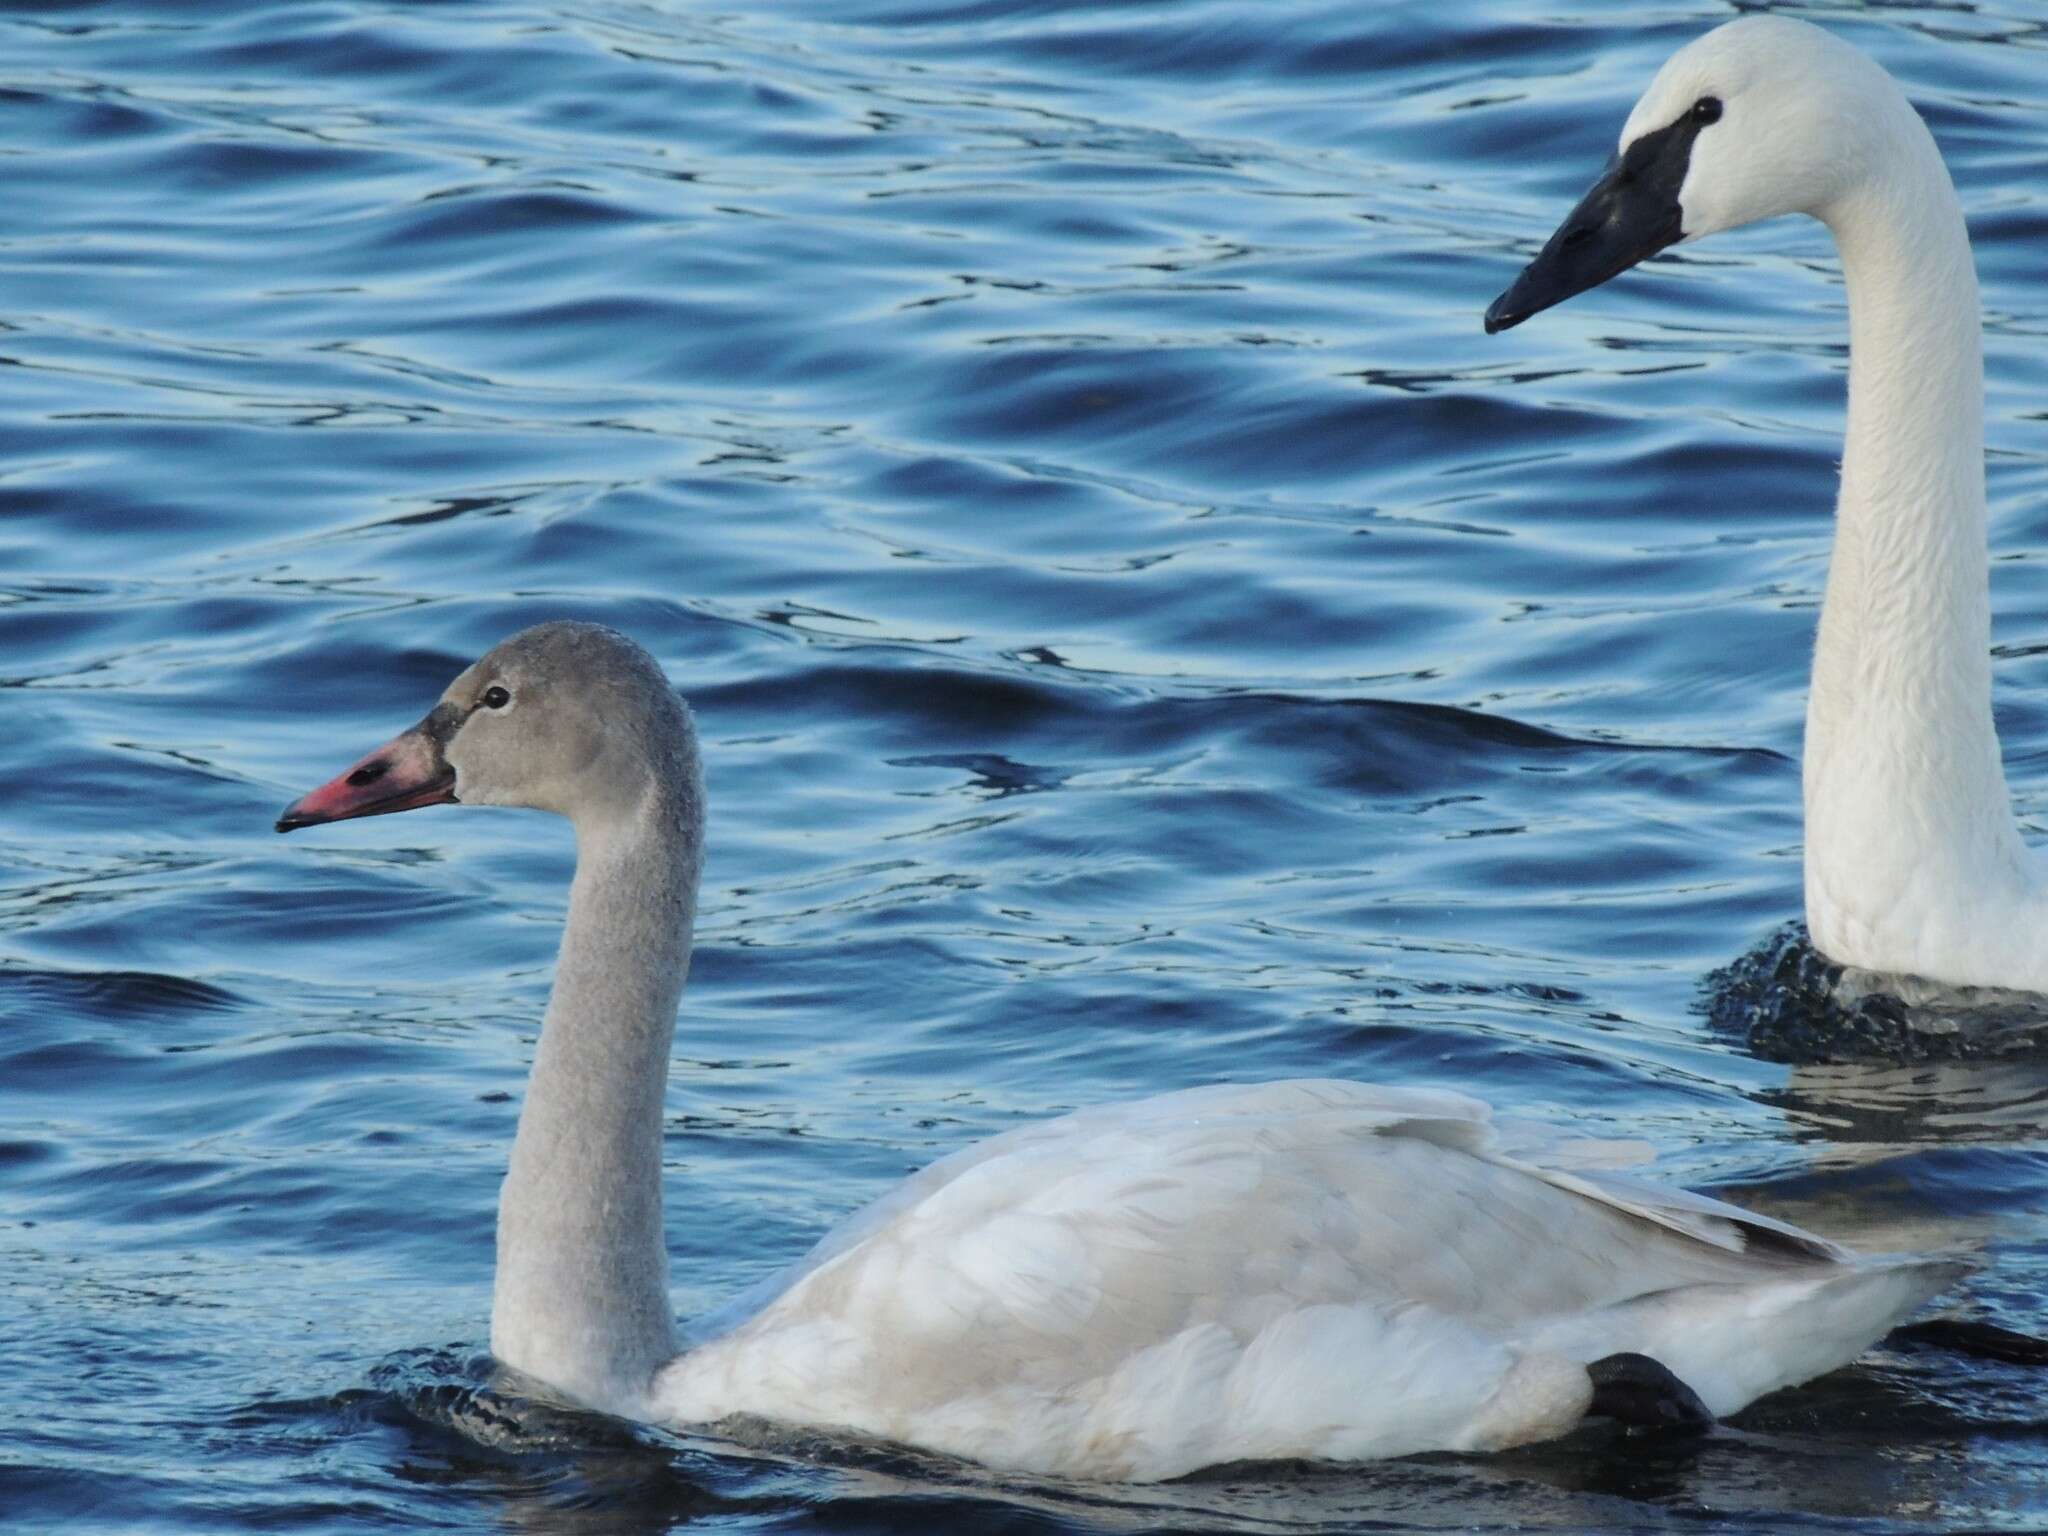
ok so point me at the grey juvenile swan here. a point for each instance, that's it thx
(1914, 862)
(1293, 1269)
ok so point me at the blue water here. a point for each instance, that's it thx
(1144, 634)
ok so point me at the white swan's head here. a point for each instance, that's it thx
(564, 717)
(1762, 116)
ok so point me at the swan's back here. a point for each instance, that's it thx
(1293, 1269)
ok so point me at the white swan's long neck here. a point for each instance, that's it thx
(582, 1283)
(1909, 830)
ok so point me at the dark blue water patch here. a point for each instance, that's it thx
(79, 119)
(450, 220)
(1038, 395)
(117, 994)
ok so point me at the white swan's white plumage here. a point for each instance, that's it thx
(1294, 1269)
(1914, 862)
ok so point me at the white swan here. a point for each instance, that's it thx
(1312, 1269)
(1914, 863)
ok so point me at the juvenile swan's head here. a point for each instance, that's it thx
(1760, 117)
(564, 717)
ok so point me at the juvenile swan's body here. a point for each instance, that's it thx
(1914, 862)
(1312, 1269)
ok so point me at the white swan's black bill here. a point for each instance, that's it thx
(1630, 214)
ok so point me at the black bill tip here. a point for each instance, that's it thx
(1503, 316)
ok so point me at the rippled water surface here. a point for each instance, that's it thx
(1144, 634)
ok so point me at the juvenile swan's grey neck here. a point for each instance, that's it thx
(582, 1283)
(1913, 859)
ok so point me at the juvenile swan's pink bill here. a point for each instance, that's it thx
(405, 773)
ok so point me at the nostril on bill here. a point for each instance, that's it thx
(1578, 235)
(369, 773)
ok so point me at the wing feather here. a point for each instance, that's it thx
(1221, 1271)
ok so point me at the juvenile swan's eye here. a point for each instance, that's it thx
(1707, 110)
(496, 697)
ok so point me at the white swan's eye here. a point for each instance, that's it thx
(1707, 110)
(496, 697)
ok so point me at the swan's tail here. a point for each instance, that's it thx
(1734, 1342)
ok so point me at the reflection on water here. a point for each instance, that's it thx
(1788, 1002)
(1882, 1437)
